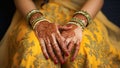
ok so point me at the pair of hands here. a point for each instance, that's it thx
(57, 41)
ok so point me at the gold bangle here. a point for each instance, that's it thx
(73, 23)
(28, 16)
(79, 21)
(38, 21)
(86, 14)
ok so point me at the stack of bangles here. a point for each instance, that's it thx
(36, 19)
(81, 22)
(77, 21)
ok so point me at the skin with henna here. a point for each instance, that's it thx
(49, 36)
(73, 38)
(58, 41)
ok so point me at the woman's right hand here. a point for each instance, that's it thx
(52, 43)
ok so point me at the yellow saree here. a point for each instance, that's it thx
(100, 46)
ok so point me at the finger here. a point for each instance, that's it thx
(71, 46)
(76, 50)
(43, 47)
(68, 40)
(64, 27)
(57, 49)
(65, 58)
(50, 51)
(62, 44)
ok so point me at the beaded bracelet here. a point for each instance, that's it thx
(86, 14)
(28, 16)
(79, 21)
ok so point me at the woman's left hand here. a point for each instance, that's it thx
(73, 36)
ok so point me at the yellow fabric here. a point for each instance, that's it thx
(100, 46)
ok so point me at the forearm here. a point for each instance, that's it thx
(24, 6)
(92, 7)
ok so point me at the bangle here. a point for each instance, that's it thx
(36, 20)
(29, 15)
(75, 23)
(79, 21)
(34, 25)
(86, 14)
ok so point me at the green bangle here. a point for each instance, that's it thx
(28, 16)
(79, 21)
(86, 14)
(37, 19)
(34, 25)
(73, 23)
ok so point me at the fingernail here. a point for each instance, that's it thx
(72, 59)
(46, 58)
(62, 62)
(67, 54)
(56, 62)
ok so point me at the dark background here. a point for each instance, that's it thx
(111, 9)
(7, 9)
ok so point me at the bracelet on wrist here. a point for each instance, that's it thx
(31, 13)
(34, 17)
(38, 21)
(86, 14)
(35, 21)
(75, 24)
(78, 22)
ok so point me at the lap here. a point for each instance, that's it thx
(96, 49)
(24, 48)
(25, 51)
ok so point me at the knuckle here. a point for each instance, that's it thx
(55, 46)
(49, 46)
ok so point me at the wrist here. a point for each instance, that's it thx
(32, 13)
(75, 24)
(82, 18)
(34, 17)
(83, 15)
